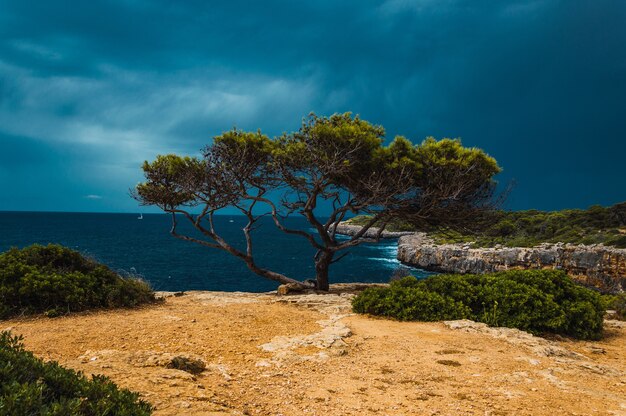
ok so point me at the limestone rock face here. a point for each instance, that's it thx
(348, 229)
(595, 265)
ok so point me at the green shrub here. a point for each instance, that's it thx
(619, 241)
(28, 386)
(616, 303)
(56, 280)
(408, 303)
(538, 301)
(620, 306)
(502, 228)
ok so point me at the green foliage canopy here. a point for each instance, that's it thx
(340, 162)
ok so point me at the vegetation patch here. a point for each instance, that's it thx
(537, 301)
(55, 280)
(29, 386)
(620, 306)
(616, 303)
(596, 225)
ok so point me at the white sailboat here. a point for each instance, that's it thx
(140, 217)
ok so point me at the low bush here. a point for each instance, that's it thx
(616, 303)
(617, 241)
(538, 301)
(620, 306)
(408, 303)
(56, 280)
(29, 386)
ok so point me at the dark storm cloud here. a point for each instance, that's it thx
(540, 85)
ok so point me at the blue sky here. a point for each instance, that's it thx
(88, 90)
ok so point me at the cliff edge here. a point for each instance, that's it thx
(593, 265)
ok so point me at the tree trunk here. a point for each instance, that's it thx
(322, 263)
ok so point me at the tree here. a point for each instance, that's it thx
(337, 163)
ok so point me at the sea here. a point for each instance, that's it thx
(143, 247)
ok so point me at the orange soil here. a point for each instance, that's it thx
(311, 368)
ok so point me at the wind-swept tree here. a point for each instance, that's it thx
(337, 163)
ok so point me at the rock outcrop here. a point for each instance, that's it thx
(349, 229)
(595, 265)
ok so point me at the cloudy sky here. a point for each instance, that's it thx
(90, 89)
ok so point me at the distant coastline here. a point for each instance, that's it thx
(596, 265)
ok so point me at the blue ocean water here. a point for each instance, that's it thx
(145, 247)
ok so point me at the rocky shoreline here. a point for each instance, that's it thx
(596, 266)
(351, 230)
(593, 265)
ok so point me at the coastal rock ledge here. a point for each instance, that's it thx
(351, 230)
(593, 265)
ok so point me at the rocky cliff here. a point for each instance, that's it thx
(348, 229)
(597, 265)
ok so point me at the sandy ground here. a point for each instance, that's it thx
(307, 355)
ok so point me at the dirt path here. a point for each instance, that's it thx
(307, 355)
